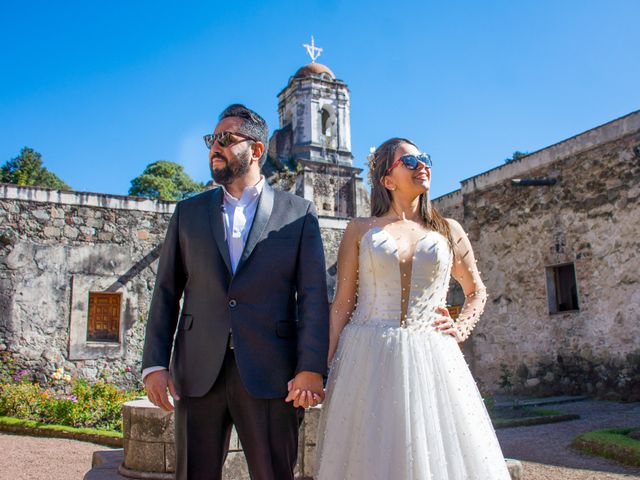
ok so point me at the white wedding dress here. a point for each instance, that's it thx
(401, 403)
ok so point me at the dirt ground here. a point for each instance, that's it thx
(35, 458)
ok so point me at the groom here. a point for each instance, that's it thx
(247, 262)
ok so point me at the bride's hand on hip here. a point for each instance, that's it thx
(446, 325)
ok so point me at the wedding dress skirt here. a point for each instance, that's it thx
(401, 402)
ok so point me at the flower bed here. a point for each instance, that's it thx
(61, 399)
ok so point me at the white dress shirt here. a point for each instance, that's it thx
(238, 215)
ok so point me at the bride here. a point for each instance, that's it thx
(401, 402)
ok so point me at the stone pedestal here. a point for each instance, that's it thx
(148, 441)
(149, 451)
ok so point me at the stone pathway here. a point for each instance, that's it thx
(544, 449)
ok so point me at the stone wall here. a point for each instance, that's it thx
(336, 190)
(450, 205)
(590, 218)
(331, 230)
(56, 247)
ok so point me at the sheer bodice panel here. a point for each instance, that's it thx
(380, 293)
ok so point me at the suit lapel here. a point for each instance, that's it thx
(260, 220)
(216, 221)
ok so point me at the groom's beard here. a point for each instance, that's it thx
(235, 166)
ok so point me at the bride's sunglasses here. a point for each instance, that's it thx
(411, 162)
(225, 139)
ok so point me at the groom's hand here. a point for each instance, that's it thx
(156, 385)
(305, 390)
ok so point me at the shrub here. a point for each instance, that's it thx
(61, 400)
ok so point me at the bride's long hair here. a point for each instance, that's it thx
(379, 163)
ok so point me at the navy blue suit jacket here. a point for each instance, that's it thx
(275, 304)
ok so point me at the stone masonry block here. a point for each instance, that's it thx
(144, 456)
(309, 460)
(70, 232)
(311, 420)
(235, 468)
(51, 232)
(126, 422)
(234, 442)
(149, 423)
(170, 457)
(57, 212)
(40, 214)
(105, 236)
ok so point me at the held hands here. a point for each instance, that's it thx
(305, 390)
(446, 324)
(156, 385)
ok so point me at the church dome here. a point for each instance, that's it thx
(314, 70)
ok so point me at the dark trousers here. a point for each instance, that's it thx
(267, 429)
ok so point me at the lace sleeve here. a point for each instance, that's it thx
(470, 314)
(466, 273)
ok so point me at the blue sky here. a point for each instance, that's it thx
(102, 89)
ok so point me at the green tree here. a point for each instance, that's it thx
(164, 180)
(516, 155)
(27, 169)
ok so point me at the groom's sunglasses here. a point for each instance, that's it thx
(411, 162)
(225, 139)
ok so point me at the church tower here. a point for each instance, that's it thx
(310, 154)
(317, 105)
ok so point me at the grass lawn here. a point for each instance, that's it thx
(522, 416)
(613, 443)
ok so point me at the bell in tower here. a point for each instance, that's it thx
(310, 154)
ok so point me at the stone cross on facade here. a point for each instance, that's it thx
(313, 51)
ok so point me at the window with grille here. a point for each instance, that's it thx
(104, 317)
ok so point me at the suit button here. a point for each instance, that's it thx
(232, 303)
